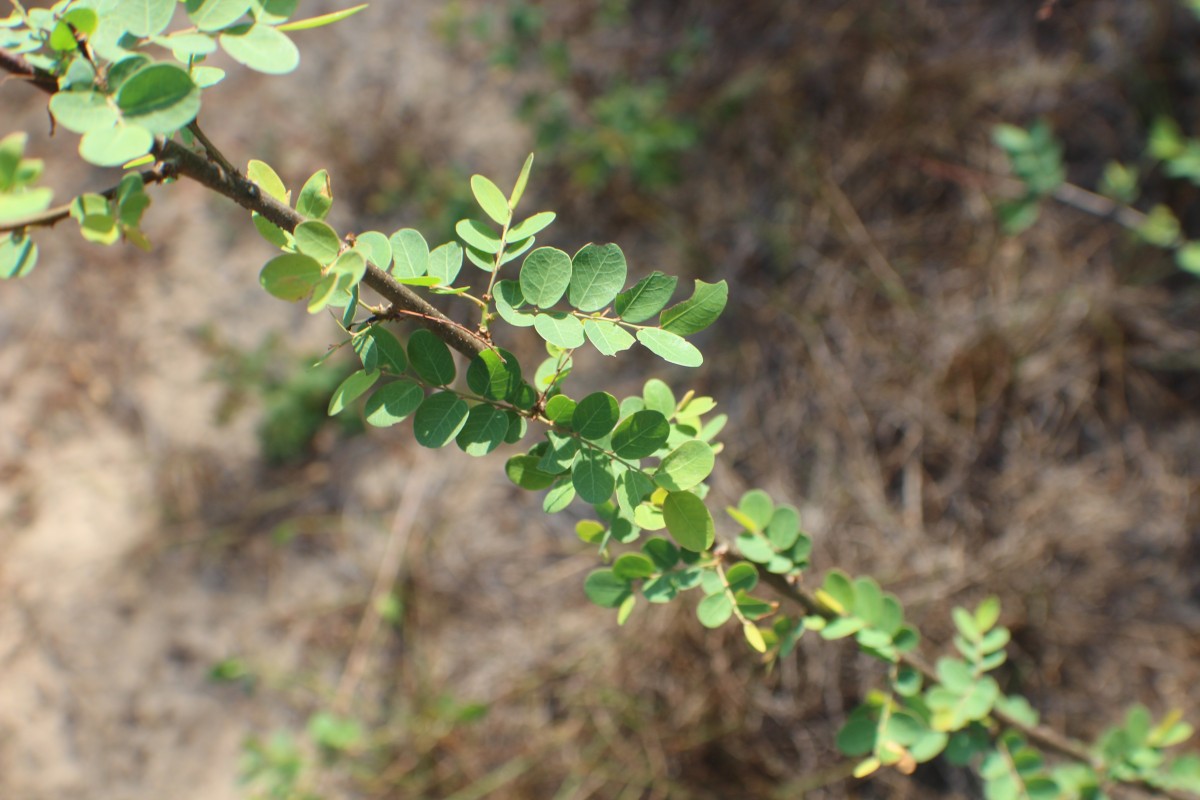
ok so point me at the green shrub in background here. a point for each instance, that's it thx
(119, 75)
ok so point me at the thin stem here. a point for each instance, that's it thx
(51, 216)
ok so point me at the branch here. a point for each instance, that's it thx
(1047, 738)
(51, 216)
(179, 160)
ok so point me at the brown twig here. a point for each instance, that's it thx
(208, 173)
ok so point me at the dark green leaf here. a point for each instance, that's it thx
(641, 435)
(439, 418)
(597, 274)
(631, 566)
(484, 430)
(593, 477)
(494, 374)
(392, 402)
(595, 416)
(430, 358)
(524, 472)
(697, 312)
(645, 298)
(160, 98)
(605, 589)
(664, 554)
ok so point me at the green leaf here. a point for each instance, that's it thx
(528, 227)
(559, 328)
(478, 235)
(160, 98)
(24, 204)
(545, 275)
(445, 262)
(212, 15)
(143, 17)
(659, 397)
(267, 180)
(522, 180)
(632, 488)
(261, 48)
(270, 231)
(560, 409)
(509, 298)
(597, 274)
(273, 12)
(430, 358)
(664, 554)
(322, 20)
(316, 198)
(697, 312)
(686, 466)
(324, 293)
(593, 478)
(741, 577)
(491, 199)
(393, 402)
(784, 528)
(494, 374)
(754, 637)
(351, 389)
(207, 76)
(290, 276)
(714, 610)
(595, 416)
(631, 566)
(80, 112)
(317, 239)
(350, 267)
(77, 20)
(605, 589)
(410, 253)
(112, 147)
(559, 497)
(439, 418)
(376, 247)
(641, 435)
(607, 337)
(560, 453)
(484, 430)
(688, 521)
(645, 298)
(18, 256)
(839, 586)
(1187, 257)
(670, 347)
(379, 349)
(523, 471)
(755, 548)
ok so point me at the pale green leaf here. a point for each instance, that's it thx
(688, 521)
(670, 347)
(597, 274)
(545, 276)
(491, 200)
(262, 48)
